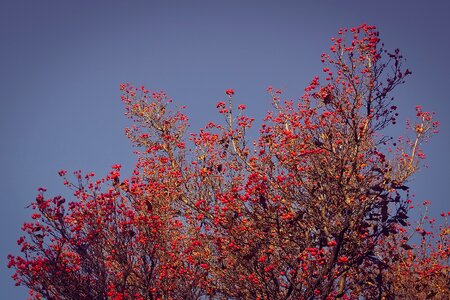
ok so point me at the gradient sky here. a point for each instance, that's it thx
(61, 63)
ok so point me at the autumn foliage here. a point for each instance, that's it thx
(315, 208)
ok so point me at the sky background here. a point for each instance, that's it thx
(61, 63)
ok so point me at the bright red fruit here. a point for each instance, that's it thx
(229, 92)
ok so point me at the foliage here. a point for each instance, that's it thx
(316, 208)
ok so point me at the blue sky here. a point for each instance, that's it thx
(61, 64)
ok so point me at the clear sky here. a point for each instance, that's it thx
(61, 63)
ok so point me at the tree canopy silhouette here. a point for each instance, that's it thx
(316, 207)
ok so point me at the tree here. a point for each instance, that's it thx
(316, 208)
